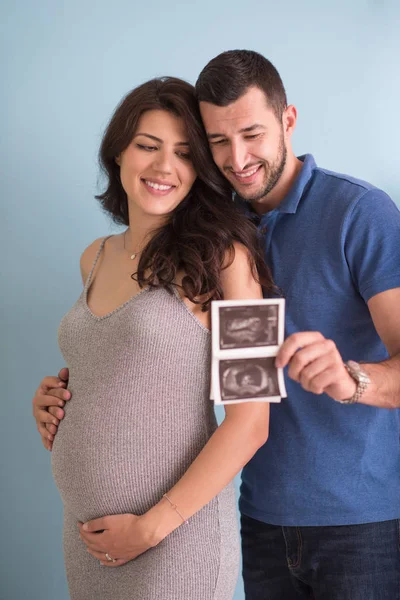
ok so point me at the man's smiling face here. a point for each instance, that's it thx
(247, 142)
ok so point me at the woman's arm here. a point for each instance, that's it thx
(243, 431)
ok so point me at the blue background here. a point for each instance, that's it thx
(64, 67)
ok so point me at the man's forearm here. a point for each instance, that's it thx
(384, 389)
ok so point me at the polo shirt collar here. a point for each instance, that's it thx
(291, 201)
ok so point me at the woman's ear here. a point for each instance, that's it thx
(118, 160)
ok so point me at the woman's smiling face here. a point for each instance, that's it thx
(155, 169)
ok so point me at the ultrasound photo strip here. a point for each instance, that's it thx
(247, 327)
(248, 380)
(246, 336)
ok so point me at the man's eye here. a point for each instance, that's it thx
(147, 148)
(253, 137)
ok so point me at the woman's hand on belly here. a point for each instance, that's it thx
(122, 537)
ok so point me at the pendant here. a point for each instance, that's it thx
(133, 256)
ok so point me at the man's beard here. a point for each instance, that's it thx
(272, 174)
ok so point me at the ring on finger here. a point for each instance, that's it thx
(108, 557)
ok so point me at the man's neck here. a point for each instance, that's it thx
(279, 192)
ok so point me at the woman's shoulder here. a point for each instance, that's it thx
(238, 275)
(89, 256)
(237, 257)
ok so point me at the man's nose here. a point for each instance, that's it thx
(238, 156)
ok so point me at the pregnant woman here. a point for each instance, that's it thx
(139, 453)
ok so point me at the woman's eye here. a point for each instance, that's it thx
(184, 155)
(218, 143)
(147, 148)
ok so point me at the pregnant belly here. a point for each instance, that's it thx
(113, 459)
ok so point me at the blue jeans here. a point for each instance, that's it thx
(347, 562)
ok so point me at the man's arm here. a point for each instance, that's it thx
(316, 364)
(384, 390)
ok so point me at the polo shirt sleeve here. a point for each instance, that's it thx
(371, 243)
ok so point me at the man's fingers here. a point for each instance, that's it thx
(47, 423)
(51, 428)
(295, 342)
(308, 355)
(52, 394)
(307, 378)
(47, 444)
(58, 393)
(48, 383)
(42, 416)
(64, 374)
(54, 397)
(56, 412)
(46, 435)
(323, 380)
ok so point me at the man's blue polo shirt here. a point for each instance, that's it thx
(332, 244)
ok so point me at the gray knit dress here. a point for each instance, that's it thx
(139, 415)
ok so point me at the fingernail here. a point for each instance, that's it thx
(66, 395)
(50, 438)
(55, 423)
(61, 403)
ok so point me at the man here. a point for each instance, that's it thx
(320, 502)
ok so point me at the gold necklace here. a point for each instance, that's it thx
(134, 254)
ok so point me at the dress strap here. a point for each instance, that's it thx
(89, 278)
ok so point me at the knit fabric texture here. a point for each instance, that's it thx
(139, 415)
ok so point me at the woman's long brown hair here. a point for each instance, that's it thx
(199, 237)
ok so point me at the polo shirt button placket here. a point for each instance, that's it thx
(267, 225)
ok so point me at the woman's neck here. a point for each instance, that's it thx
(141, 229)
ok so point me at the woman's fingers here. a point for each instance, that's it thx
(101, 557)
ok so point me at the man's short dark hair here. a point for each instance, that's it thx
(229, 75)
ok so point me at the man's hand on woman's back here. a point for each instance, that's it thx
(48, 402)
